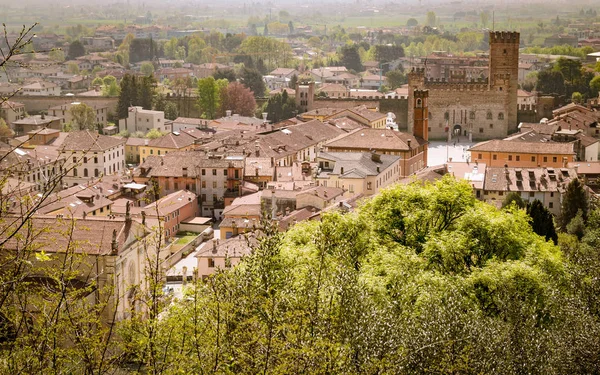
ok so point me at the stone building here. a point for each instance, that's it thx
(482, 108)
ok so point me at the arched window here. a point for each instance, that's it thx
(446, 116)
(500, 116)
(489, 115)
(85, 172)
(84, 159)
(96, 173)
(75, 172)
(472, 115)
(419, 103)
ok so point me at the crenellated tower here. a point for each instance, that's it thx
(504, 70)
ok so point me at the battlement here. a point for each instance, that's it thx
(479, 84)
(421, 93)
(504, 37)
(417, 71)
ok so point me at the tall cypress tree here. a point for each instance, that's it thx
(124, 97)
(542, 221)
(573, 200)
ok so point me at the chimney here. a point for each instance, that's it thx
(184, 171)
(264, 116)
(408, 142)
(215, 243)
(114, 245)
(228, 113)
(376, 157)
(128, 212)
(256, 149)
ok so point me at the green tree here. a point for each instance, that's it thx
(395, 79)
(171, 111)
(279, 107)
(209, 93)
(5, 131)
(252, 79)
(293, 82)
(97, 82)
(542, 221)
(576, 97)
(145, 95)
(574, 200)
(431, 19)
(56, 55)
(154, 133)
(147, 69)
(513, 197)
(83, 117)
(550, 82)
(76, 50)
(350, 58)
(412, 22)
(595, 86)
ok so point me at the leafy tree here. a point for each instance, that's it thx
(84, 117)
(237, 98)
(154, 133)
(384, 53)
(145, 95)
(412, 22)
(576, 97)
(76, 50)
(73, 68)
(542, 221)
(111, 90)
(595, 86)
(97, 82)
(291, 27)
(395, 79)
(513, 197)
(5, 131)
(574, 200)
(142, 49)
(227, 74)
(252, 79)
(550, 82)
(431, 19)
(209, 93)
(350, 58)
(56, 55)
(171, 111)
(265, 30)
(147, 69)
(280, 107)
(577, 225)
(293, 82)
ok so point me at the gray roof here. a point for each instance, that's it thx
(356, 164)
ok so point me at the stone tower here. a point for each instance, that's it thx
(305, 96)
(504, 70)
(421, 114)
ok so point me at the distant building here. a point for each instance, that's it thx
(144, 120)
(89, 154)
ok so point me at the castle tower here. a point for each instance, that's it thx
(305, 95)
(504, 71)
(421, 114)
(421, 117)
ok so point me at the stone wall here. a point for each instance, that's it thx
(36, 104)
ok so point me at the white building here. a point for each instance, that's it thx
(144, 120)
(41, 89)
(88, 154)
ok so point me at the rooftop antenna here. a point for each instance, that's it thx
(493, 20)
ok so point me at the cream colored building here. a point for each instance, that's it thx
(358, 172)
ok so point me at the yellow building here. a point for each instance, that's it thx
(132, 149)
(175, 141)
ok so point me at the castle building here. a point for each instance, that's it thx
(478, 108)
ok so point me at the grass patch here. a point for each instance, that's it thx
(183, 238)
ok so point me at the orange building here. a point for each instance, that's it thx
(499, 152)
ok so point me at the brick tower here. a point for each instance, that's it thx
(421, 116)
(504, 70)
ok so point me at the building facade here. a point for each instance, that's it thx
(481, 108)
